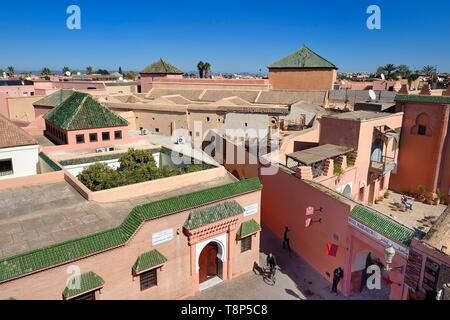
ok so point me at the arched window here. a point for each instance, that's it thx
(422, 125)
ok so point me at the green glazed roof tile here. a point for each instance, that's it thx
(161, 67)
(205, 216)
(61, 253)
(303, 58)
(88, 282)
(382, 224)
(247, 228)
(425, 99)
(81, 111)
(148, 260)
(49, 162)
(55, 99)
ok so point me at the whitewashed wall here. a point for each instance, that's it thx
(24, 159)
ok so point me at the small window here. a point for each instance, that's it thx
(148, 279)
(246, 124)
(79, 138)
(422, 130)
(197, 134)
(105, 136)
(156, 129)
(93, 137)
(207, 119)
(6, 167)
(246, 244)
(117, 135)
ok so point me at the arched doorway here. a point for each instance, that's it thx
(210, 266)
(377, 150)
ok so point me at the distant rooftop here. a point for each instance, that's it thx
(161, 67)
(359, 115)
(304, 58)
(13, 136)
(55, 99)
(320, 153)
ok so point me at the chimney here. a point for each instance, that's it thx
(404, 89)
(426, 90)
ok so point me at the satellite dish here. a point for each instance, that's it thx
(68, 73)
(120, 78)
(342, 82)
(383, 77)
(372, 95)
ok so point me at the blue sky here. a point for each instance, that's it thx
(233, 35)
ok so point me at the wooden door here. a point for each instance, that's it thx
(208, 262)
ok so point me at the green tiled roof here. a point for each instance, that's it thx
(303, 58)
(205, 216)
(148, 260)
(49, 162)
(88, 281)
(162, 67)
(71, 250)
(247, 228)
(382, 224)
(55, 99)
(417, 98)
(81, 111)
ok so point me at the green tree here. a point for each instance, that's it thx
(389, 69)
(120, 70)
(1, 72)
(429, 70)
(64, 70)
(404, 71)
(201, 69)
(207, 70)
(100, 176)
(10, 71)
(89, 70)
(131, 75)
(138, 166)
(45, 71)
(102, 71)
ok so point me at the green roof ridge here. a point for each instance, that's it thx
(64, 252)
(382, 224)
(55, 99)
(161, 67)
(248, 227)
(419, 98)
(208, 215)
(148, 260)
(88, 281)
(82, 111)
(49, 162)
(303, 58)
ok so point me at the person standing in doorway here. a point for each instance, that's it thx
(286, 243)
(338, 274)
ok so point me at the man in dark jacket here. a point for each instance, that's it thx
(286, 239)
(271, 262)
(338, 274)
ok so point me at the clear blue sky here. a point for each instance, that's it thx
(233, 35)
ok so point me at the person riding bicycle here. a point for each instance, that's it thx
(271, 262)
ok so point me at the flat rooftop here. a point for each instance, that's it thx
(34, 217)
(359, 115)
(422, 218)
(320, 153)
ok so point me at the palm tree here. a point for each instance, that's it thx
(120, 70)
(412, 77)
(89, 70)
(389, 69)
(45, 71)
(201, 69)
(429, 70)
(64, 70)
(404, 71)
(10, 71)
(207, 69)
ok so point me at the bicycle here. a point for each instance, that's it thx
(270, 274)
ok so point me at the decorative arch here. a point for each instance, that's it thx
(421, 123)
(221, 246)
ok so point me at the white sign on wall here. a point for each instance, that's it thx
(161, 237)
(251, 209)
(377, 236)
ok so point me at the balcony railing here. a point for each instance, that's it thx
(383, 166)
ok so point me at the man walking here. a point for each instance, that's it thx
(338, 274)
(286, 239)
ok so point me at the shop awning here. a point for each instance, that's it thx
(88, 282)
(148, 260)
(248, 228)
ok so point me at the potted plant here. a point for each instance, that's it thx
(421, 189)
(386, 194)
(338, 171)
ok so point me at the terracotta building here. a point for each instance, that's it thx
(424, 158)
(81, 120)
(303, 70)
